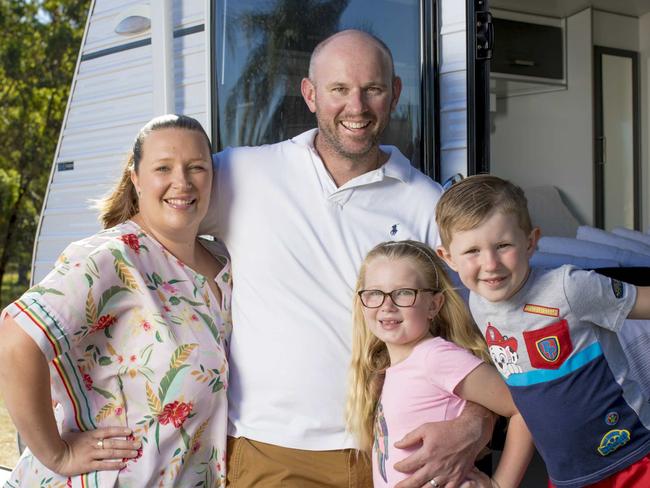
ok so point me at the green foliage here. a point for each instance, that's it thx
(38, 53)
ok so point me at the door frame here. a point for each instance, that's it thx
(600, 143)
(479, 52)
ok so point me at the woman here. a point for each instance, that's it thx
(133, 324)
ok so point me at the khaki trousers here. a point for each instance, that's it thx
(256, 464)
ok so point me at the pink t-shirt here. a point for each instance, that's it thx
(416, 391)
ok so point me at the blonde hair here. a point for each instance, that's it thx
(369, 354)
(121, 204)
(468, 203)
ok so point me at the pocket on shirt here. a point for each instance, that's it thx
(549, 346)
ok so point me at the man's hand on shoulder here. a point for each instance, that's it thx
(447, 450)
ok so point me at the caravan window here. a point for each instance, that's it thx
(261, 51)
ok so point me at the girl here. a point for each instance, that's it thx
(417, 357)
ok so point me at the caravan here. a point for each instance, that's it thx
(562, 108)
(236, 67)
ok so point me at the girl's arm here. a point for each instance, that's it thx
(641, 309)
(25, 385)
(485, 387)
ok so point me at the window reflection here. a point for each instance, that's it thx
(262, 52)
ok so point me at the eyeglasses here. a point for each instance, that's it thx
(402, 297)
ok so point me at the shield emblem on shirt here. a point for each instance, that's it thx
(549, 348)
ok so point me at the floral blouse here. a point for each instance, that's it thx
(134, 338)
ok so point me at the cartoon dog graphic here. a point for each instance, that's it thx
(503, 350)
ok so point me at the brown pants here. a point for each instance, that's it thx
(256, 464)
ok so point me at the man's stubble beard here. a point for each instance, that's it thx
(337, 146)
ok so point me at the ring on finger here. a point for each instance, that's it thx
(100, 443)
(434, 483)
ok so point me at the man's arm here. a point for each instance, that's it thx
(210, 224)
(447, 449)
(641, 309)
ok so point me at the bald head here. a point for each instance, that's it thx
(352, 39)
(352, 90)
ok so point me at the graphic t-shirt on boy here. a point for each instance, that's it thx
(556, 346)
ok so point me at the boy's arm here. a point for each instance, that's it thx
(518, 451)
(641, 309)
(447, 449)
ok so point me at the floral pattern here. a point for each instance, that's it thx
(136, 338)
(176, 413)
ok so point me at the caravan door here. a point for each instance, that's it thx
(261, 52)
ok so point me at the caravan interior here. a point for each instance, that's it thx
(569, 87)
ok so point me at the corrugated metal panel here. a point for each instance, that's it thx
(453, 89)
(191, 76)
(111, 98)
(188, 13)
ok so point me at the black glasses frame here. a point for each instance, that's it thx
(390, 294)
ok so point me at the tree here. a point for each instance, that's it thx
(38, 55)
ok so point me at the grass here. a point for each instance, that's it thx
(8, 443)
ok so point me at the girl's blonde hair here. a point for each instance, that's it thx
(369, 354)
(121, 204)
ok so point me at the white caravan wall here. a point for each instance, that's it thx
(617, 31)
(111, 97)
(546, 139)
(453, 89)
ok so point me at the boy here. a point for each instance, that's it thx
(552, 335)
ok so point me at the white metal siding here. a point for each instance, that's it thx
(111, 98)
(453, 89)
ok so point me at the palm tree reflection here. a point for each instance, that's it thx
(282, 38)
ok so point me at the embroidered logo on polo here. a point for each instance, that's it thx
(613, 440)
(393, 230)
(541, 310)
(549, 346)
(611, 418)
(617, 288)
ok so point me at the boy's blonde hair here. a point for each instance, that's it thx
(468, 203)
(369, 354)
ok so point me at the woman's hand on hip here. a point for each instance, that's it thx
(106, 448)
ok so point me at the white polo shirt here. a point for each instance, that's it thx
(296, 242)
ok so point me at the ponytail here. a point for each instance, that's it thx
(122, 203)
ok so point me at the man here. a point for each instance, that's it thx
(298, 217)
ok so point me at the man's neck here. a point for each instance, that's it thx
(343, 169)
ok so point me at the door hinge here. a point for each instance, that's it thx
(484, 35)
